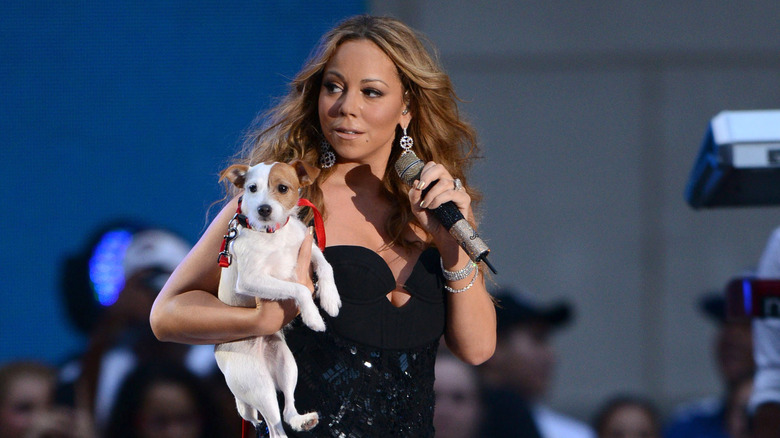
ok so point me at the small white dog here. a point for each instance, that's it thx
(264, 253)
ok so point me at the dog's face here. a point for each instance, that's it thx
(271, 190)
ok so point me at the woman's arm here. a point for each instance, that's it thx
(471, 314)
(187, 309)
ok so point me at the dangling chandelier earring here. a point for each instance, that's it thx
(327, 156)
(406, 143)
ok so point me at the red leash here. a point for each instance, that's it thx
(319, 224)
(247, 429)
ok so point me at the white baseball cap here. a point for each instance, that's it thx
(154, 248)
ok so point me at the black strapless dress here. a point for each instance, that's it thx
(370, 374)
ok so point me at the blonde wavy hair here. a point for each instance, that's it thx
(291, 130)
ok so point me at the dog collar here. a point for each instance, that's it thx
(225, 258)
(265, 228)
(241, 218)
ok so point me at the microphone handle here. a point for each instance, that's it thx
(462, 231)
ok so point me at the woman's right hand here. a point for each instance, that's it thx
(303, 269)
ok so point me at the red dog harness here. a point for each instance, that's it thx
(225, 258)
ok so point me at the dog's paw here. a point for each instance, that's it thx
(305, 422)
(313, 321)
(330, 301)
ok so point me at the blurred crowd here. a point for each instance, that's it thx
(127, 384)
(505, 397)
(124, 383)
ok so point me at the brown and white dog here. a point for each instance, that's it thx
(264, 256)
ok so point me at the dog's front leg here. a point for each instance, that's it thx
(267, 287)
(328, 294)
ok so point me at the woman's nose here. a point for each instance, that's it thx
(350, 103)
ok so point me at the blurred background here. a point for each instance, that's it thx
(590, 115)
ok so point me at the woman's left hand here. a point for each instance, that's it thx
(471, 316)
(444, 189)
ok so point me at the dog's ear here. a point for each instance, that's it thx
(306, 172)
(236, 174)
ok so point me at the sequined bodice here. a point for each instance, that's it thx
(371, 373)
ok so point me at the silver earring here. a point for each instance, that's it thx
(406, 143)
(327, 156)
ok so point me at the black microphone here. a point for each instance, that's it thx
(409, 168)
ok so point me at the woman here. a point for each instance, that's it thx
(28, 408)
(459, 405)
(404, 281)
(164, 400)
(628, 417)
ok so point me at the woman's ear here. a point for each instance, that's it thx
(406, 114)
(406, 118)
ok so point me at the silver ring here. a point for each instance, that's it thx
(458, 184)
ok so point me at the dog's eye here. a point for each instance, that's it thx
(252, 188)
(282, 188)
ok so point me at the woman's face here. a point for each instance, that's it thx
(27, 397)
(168, 411)
(524, 359)
(458, 405)
(361, 102)
(630, 421)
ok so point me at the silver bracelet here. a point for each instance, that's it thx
(457, 275)
(464, 289)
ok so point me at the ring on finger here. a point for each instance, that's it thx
(457, 183)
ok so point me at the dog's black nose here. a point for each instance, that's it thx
(264, 210)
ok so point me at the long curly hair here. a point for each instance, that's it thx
(291, 130)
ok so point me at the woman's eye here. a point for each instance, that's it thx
(282, 188)
(252, 188)
(372, 92)
(331, 87)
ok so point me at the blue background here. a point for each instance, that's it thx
(125, 109)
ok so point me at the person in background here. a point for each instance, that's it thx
(733, 354)
(459, 411)
(737, 414)
(27, 407)
(627, 416)
(164, 400)
(765, 400)
(519, 374)
(122, 339)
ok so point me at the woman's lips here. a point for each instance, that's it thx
(347, 134)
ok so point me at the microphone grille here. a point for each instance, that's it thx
(409, 167)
